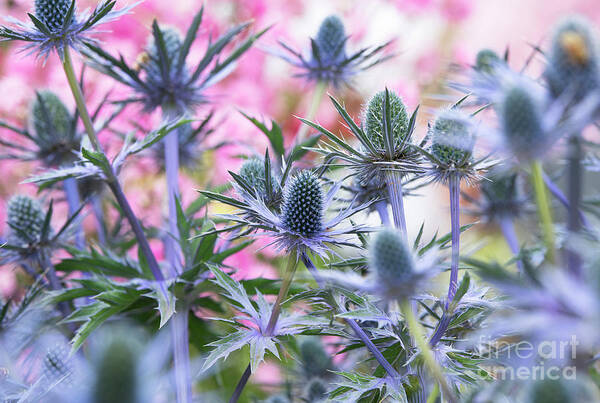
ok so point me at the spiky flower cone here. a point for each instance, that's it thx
(331, 39)
(52, 12)
(56, 365)
(573, 62)
(501, 196)
(25, 218)
(173, 41)
(521, 122)
(316, 362)
(486, 61)
(452, 137)
(390, 257)
(302, 210)
(373, 120)
(315, 391)
(116, 372)
(253, 171)
(52, 124)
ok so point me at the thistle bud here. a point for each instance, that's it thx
(331, 39)
(116, 377)
(57, 365)
(500, 192)
(573, 63)
(315, 360)
(302, 210)
(520, 115)
(52, 12)
(453, 137)
(52, 125)
(373, 120)
(315, 391)
(486, 61)
(390, 257)
(25, 218)
(253, 171)
(172, 40)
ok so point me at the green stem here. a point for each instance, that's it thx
(285, 287)
(417, 332)
(544, 209)
(315, 102)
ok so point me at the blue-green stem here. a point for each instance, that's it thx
(544, 209)
(396, 196)
(111, 178)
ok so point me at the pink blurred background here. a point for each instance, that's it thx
(430, 34)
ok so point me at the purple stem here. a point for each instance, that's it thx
(99, 214)
(560, 196)
(381, 207)
(179, 327)
(74, 202)
(360, 333)
(508, 231)
(574, 221)
(241, 384)
(454, 187)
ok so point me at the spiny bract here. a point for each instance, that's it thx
(486, 61)
(573, 63)
(373, 120)
(25, 218)
(52, 12)
(390, 257)
(302, 210)
(452, 137)
(331, 39)
(173, 41)
(521, 122)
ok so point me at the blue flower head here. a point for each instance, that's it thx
(163, 77)
(25, 218)
(329, 60)
(56, 25)
(573, 62)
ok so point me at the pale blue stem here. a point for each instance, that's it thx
(454, 187)
(360, 333)
(574, 222)
(179, 328)
(396, 196)
(382, 210)
(99, 215)
(74, 202)
(508, 231)
(560, 196)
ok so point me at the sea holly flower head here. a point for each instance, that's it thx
(299, 224)
(328, 60)
(452, 138)
(573, 62)
(56, 25)
(486, 61)
(163, 76)
(25, 218)
(500, 196)
(253, 171)
(385, 141)
(316, 391)
(315, 361)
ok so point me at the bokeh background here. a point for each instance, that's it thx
(430, 37)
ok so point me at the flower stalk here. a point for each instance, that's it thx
(574, 222)
(315, 102)
(384, 216)
(544, 210)
(507, 227)
(454, 188)
(394, 186)
(74, 201)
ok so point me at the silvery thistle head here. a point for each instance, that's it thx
(56, 25)
(52, 131)
(162, 77)
(395, 271)
(451, 139)
(328, 60)
(385, 141)
(30, 230)
(299, 223)
(573, 62)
